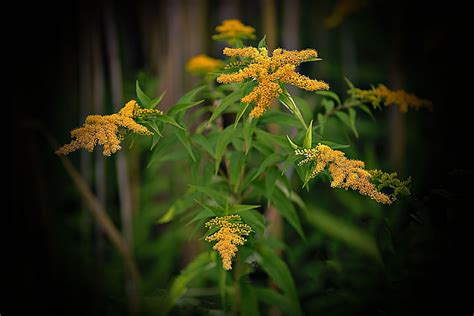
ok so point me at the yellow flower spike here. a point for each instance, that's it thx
(382, 94)
(346, 173)
(105, 130)
(202, 64)
(232, 31)
(270, 72)
(228, 237)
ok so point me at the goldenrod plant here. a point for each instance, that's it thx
(236, 166)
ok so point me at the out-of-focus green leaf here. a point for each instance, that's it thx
(350, 234)
(269, 138)
(322, 122)
(352, 117)
(180, 284)
(184, 139)
(237, 163)
(204, 143)
(328, 105)
(330, 94)
(277, 269)
(160, 151)
(268, 161)
(144, 99)
(308, 139)
(219, 196)
(271, 176)
(344, 117)
(272, 298)
(249, 127)
(254, 219)
(203, 214)
(283, 118)
(349, 83)
(189, 96)
(168, 216)
(224, 139)
(263, 42)
(287, 210)
(366, 109)
(249, 306)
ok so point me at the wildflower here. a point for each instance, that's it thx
(202, 64)
(233, 31)
(228, 237)
(342, 9)
(384, 180)
(382, 94)
(270, 72)
(346, 173)
(106, 130)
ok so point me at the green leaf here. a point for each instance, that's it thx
(269, 138)
(237, 163)
(224, 139)
(263, 42)
(168, 216)
(237, 208)
(249, 127)
(344, 118)
(179, 286)
(287, 210)
(328, 105)
(203, 214)
(366, 109)
(268, 161)
(177, 108)
(160, 151)
(249, 306)
(286, 99)
(329, 94)
(277, 269)
(272, 298)
(349, 83)
(322, 122)
(226, 102)
(293, 145)
(189, 96)
(219, 196)
(169, 120)
(153, 103)
(255, 219)
(303, 105)
(282, 118)
(352, 118)
(144, 99)
(184, 139)
(204, 143)
(308, 139)
(270, 180)
(348, 233)
(241, 112)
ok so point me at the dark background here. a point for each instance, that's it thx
(430, 42)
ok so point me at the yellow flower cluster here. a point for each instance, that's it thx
(346, 173)
(105, 130)
(270, 72)
(342, 9)
(228, 237)
(232, 31)
(202, 64)
(382, 94)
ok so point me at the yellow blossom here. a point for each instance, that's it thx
(346, 173)
(228, 237)
(105, 130)
(382, 94)
(270, 72)
(231, 31)
(202, 64)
